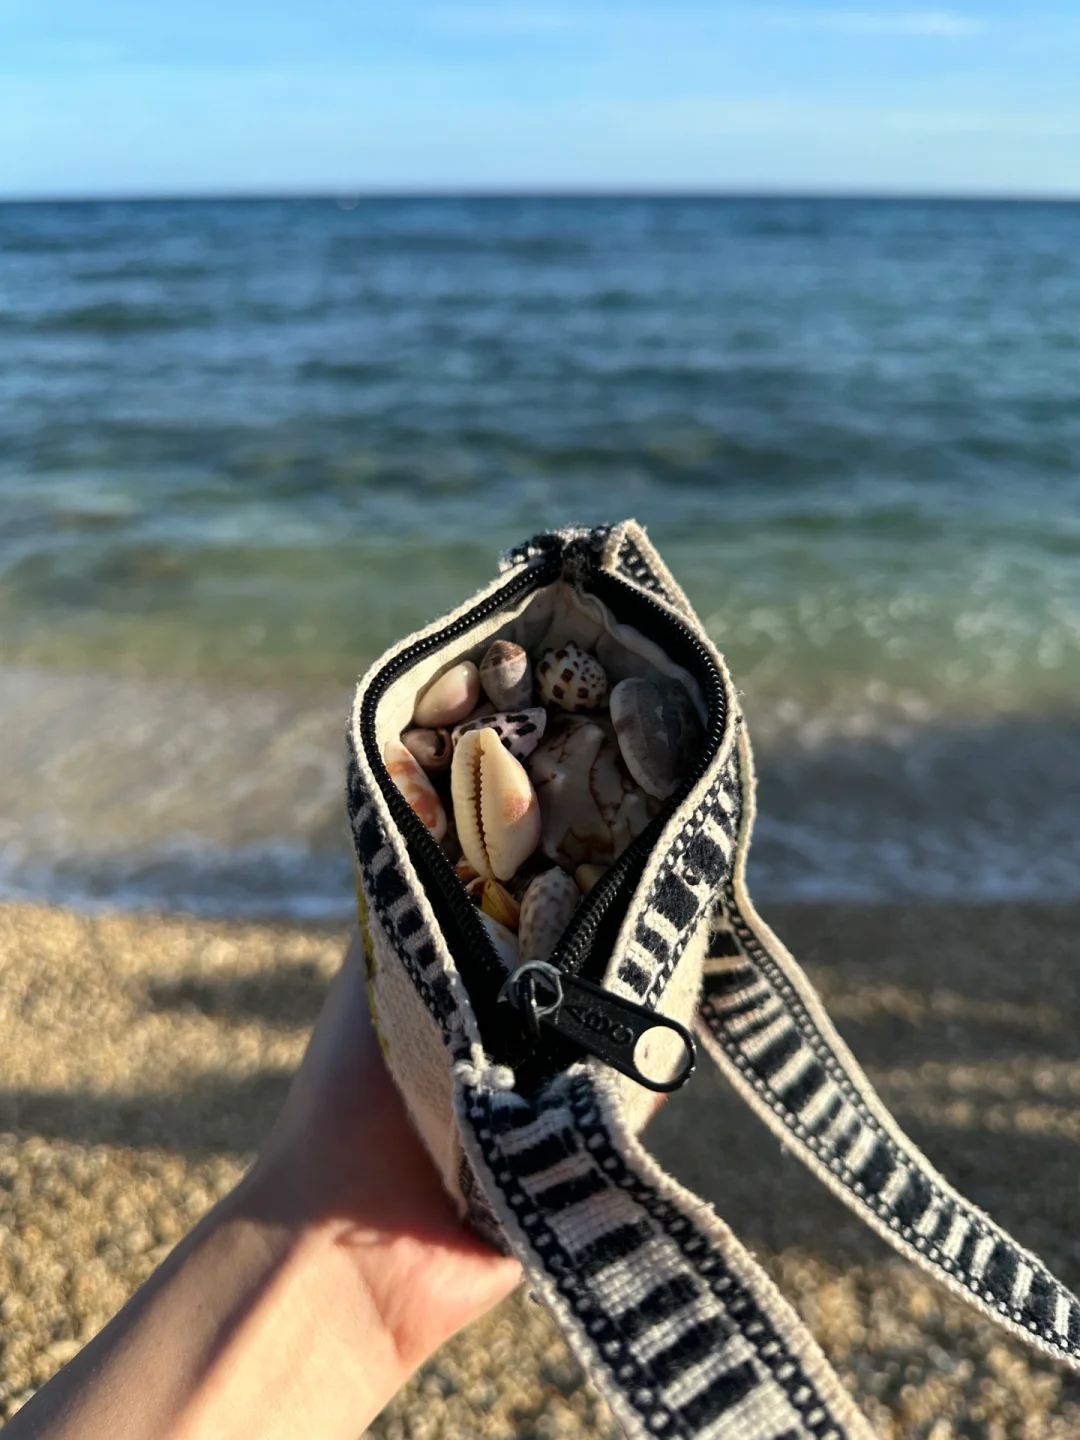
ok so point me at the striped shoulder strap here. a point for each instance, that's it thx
(763, 1023)
(675, 1322)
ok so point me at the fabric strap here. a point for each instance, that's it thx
(679, 1327)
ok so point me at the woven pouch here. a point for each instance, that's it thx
(530, 1099)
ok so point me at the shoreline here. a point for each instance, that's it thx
(145, 1056)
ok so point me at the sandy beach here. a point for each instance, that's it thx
(143, 1059)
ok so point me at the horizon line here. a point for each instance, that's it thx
(347, 198)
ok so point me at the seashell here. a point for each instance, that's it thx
(415, 786)
(464, 872)
(506, 676)
(572, 678)
(586, 876)
(449, 698)
(504, 941)
(431, 749)
(496, 809)
(496, 901)
(549, 902)
(656, 730)
(519, 730)
(590, 808)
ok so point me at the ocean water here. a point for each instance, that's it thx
(244, 446)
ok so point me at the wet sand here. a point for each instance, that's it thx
(143, 1059)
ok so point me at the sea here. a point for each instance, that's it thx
(246, 445)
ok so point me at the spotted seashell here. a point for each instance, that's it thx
(431, 749)
(496, 901)
(572, 679)
(504, 941)
(590, 808)
(586, 876)
(546, 909)
(657, 730)
(506, 676)
(497, 813)
(418, 790)
(520, 731)
(449, 698)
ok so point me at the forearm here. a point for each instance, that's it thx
(254, 1327)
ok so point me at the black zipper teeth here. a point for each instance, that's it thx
(479, 962)
(423, 848)
(572, 952)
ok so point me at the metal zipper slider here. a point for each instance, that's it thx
(604, 1024)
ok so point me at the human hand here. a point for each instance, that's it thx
(344, 1158)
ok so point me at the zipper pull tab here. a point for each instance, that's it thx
(604, 1024)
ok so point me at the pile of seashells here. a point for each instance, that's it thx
(535, 779)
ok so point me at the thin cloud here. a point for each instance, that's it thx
(941, 24)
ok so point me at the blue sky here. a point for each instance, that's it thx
(144, 97)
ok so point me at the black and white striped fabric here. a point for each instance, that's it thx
(762, 1023)
(678, 1325)
(664, 1307)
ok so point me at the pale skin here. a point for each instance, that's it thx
(309, 1295)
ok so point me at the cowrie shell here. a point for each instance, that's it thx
(519, 730)
(495, 806)
(572, 679)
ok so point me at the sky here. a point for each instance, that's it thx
(126, 97)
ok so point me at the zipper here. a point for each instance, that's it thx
(552, 1037)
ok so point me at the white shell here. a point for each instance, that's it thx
(590, 808)
(506, 676)
(519, 730)
(449, 698)
(415, 786)
(504, 940)
(546, 909)
(572, 679)
(495, 807)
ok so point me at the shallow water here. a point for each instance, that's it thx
(244, 446)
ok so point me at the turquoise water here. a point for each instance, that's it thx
(244, 446)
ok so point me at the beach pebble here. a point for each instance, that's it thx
(655, 730)
(450, 698)
(418, 790)
(432, 749)
(546, 909)
(506, 676)
(520, 731)
(572, 679)
(495, 806)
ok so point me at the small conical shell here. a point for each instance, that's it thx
(495, 806)
(506, 676)
(415, 786)
(549, 902)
